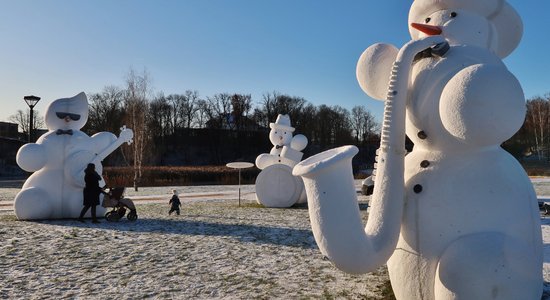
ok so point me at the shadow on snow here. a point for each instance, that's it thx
(245, 233)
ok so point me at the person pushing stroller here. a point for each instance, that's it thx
(175, 203)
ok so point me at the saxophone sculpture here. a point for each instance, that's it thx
(330, 188)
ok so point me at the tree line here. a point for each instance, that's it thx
(164, 115)
(156, 117)
(159, 119)
(164, 123)
(533, 139)
(167, 127)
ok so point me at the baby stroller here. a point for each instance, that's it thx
(114, 198)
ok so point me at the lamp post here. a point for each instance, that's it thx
(31, 102)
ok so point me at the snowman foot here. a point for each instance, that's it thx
(32, 204)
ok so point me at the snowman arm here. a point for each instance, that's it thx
(102, 141)
(265, 160)
(31, 157)
(374, 68)
(275, 151)
(482, 105)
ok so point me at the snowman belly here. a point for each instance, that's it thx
(450, 196)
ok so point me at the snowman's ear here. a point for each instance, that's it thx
(81, 97)
(79, 105)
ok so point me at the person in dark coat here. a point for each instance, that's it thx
(175, 203)
(91, 192)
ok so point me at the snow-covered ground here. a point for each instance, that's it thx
(215, 249)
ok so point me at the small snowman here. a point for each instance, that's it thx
(286, 148)
(58, 159)
(275, 185)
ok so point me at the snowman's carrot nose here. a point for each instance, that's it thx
(427, 29)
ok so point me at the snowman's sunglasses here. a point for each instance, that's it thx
(63, 115)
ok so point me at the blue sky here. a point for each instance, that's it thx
(307, 48)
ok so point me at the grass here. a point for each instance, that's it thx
(252, 205)
(327, 295)
(8, 217)
(387, 291)
(215, 244)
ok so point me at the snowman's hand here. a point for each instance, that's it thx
(298, 142)
(374, 68)
(31, 157)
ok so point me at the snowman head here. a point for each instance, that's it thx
(490, 24)
(67, 113)
(281, 131)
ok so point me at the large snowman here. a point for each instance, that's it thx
(458, 217)
(275, 185)
(58, 160)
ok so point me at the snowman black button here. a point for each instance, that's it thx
(425, 164)
(422, 135)
(417, 188)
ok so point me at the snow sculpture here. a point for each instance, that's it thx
(458, 217)
(275, 185)
(58, 160)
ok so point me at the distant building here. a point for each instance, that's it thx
(9, 130)
(10, 141)
(8, 152)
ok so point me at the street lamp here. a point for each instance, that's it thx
(31, 102)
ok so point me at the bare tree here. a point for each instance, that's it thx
(323, 132)
(201, 115)
(242, 104)
(177, 102)
(219, 108)
(277, 103)
(105, 112)
(341, 128)
(136, 105)
(306, 122)
(190, 107)
(160, 113)
(22, 118)
(357, 121)
(260, 117)
(370, 126)
(538, 122)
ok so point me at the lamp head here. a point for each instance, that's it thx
(31, 100)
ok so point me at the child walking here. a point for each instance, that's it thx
(174, 203)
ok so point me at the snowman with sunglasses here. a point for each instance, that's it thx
(58, 159)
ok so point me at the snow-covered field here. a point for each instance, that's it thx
(215, 249)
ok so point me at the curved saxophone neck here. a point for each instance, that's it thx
(393, 124)
(389, 183)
